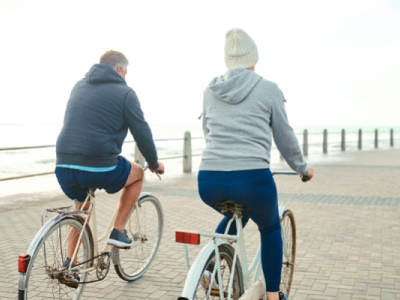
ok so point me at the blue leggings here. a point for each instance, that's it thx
(255, 189)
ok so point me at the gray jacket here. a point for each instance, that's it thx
(241, 111)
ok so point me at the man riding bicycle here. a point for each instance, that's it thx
(99, 112)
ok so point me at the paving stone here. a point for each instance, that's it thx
(347, 218)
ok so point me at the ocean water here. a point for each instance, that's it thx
(32, 161)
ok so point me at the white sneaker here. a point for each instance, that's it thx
(205, 280)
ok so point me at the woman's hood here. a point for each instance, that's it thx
(235, 85)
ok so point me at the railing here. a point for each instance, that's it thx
(187, 148)
(305, 145)
(187, 155)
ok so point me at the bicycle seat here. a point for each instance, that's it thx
(89, 190)
(231, 205)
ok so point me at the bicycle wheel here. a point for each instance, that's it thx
(288, 226)
(45, 278)
(145, 226)
(201, 288)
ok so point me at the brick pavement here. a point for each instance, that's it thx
(347, 220)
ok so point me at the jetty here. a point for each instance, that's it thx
(347, 218)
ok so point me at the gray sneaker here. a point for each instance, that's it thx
(119, 239)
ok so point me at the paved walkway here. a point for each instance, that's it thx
(347, 221)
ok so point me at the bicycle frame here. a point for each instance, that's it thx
(239, 251)
(91, 213)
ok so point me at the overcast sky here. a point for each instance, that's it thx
(337, 62)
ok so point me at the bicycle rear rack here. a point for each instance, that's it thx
(70, 210)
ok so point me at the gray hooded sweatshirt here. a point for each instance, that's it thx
(241, 111)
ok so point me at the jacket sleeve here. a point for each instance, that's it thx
(205, 129)
(284, 136)
(140, 130)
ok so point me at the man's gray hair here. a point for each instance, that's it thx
(114, 59)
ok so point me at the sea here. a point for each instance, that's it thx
(169, 142)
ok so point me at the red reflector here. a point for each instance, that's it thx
(187, 238)
(23, 261)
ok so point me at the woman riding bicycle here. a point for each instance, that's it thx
(241, 111)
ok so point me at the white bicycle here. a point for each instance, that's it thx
(228, 277)
(43, 273)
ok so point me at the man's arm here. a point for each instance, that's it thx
(140, 129)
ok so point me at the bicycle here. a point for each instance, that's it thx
(229, 277)
(43, 273)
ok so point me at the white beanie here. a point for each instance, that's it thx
(240, 50)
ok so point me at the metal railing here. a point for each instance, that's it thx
(343, 143)
(187, 155)
(187, 148)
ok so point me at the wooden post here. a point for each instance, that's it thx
(187, 153)
(391, 138)
(359, 139)
(376, 138)
(325, 142)
(343, 144)
(139, 159)
(305, 142)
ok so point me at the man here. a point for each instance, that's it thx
(99, 112)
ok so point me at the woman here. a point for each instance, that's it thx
(241, 110)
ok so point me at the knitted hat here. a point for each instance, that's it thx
(240, 49)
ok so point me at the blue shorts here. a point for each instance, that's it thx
(75, 183)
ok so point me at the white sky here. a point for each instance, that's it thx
(337, 62)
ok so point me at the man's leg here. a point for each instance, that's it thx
(74, 235)
(129, 195)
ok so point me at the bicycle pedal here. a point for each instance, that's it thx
(71, 283)
(125, 248)
(216, 293)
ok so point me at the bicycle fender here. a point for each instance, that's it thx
(282, 209)
(144, 195)
(33, 246)
(196, 270)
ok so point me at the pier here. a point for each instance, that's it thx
(347, 218)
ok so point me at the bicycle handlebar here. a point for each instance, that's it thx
(146, 167)
(304, 178)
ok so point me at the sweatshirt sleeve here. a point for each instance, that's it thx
(140, 129)
(205, 129)
(284, 136)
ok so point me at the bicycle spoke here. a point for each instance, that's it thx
(45, 278)
(289, 238)
(209, 288)
(145, 226)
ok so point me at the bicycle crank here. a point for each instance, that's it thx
(103, 265)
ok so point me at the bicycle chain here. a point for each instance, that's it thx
(97, 272)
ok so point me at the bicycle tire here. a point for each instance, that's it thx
(200, 288)
(44, 277)
(288, 225)
(133, 263)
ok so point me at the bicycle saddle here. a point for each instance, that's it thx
(231, 205)
(88, 188)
